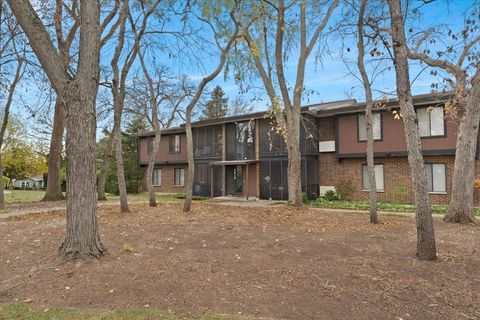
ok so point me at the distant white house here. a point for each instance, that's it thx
(34, 182)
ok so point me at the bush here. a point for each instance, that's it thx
(331, 195)
(304, 198)
(345, 189)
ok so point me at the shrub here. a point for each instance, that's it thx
(400, 194)
(304, 198)
(345, 189)
(331, 195)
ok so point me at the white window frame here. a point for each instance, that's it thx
(177, 143)
(362, 126)
(379, 178)
(425, 116)
(181, 177)
(157, 177)
(436, 183)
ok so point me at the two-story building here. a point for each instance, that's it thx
(243, 156)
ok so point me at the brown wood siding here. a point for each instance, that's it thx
(164, 154)
(393, 138)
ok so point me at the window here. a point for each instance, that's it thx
(436, 177)
(179, 177)
(430, 121)
(149, 145)
(175, 143)
(378, 177)
(377, 127)
(157, 177)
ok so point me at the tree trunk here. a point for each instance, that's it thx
(82, 239)
(122, 188)
(102, 177)
(294, 157)
(371, 164)
(54, 184)
(191, 163)
(2, 196)
(368, 115)
(426, 248)
(151, 165)
(460, 209)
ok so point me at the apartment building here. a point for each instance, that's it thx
(243, 156)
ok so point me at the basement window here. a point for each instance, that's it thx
(436, 177)
(378, 178)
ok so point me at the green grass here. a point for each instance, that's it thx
(24, 311)
(382, 206)
(13, 196)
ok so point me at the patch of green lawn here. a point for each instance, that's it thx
(382, 206)
(12, 196)
(24, 311)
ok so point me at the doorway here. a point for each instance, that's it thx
(234, 180)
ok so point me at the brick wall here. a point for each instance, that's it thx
(396, 172)
(168, 179)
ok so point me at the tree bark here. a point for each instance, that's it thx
(368, 115)
(187, 204)
(294, 157)
(54, 185)
(151, 165)
(460, 209)
(122, 187)
(102, 177)
(426, 248)
(82, 238)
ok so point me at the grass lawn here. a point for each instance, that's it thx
(382, 206)
(24, 311)
(13, 196)
(16, 196)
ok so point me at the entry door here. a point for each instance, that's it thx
(234, 180)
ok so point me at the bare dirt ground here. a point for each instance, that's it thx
(272, 262)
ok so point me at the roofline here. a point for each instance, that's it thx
(319, 110)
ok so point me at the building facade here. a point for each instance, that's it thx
(244, 156)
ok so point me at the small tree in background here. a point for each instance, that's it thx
(216, 107)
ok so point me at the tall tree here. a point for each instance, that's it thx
(78, 92)
(161, 99)
(9, 47)
(219, 31)
(271, 30)
(238, 107)
(463, 105)
(426, 248)
(119, 84)
(216, 107)
(66, 23)
(368, 112)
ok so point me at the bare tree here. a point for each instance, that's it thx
(460, 209)
(66, 17)
(426, 248)
(264, 22)
(368, 113)
(238, 107)
(165, 98)
(8, 47)
(201, 86)
(78, 92)
(119, 85)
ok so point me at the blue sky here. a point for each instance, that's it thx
(329, 80)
